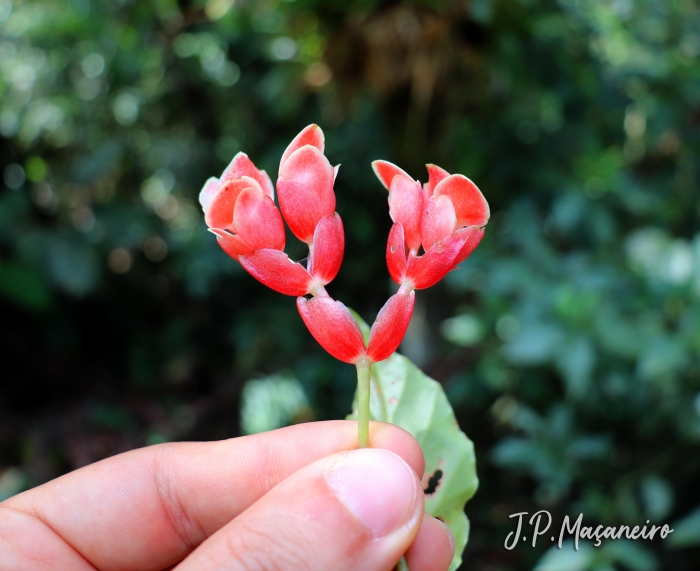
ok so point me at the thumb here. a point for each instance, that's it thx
(352, 511)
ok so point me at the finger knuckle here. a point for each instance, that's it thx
(187, 528)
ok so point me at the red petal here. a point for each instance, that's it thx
(231, 244)
(435, 175)
(470, 205)
(328, 247)
(386, 172)
(406, 207)
(390, 326)
(311, 135)
(470, 245)
(305, 190)
(274, 269)
(439, 220)
(219, 213)
(431, 267)
(208, 192)
(396, 254)
(332, 325)
(257, 221)
(266, 184)
(242, 166)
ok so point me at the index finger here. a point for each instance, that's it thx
(148, 508)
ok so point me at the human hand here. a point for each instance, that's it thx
(299, 498)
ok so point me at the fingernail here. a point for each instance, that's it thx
(377, 486)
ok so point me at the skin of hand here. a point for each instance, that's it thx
(298, 498)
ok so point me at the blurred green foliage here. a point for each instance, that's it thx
(569, 343)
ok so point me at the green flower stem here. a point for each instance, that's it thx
(402, 565)
(364, 368)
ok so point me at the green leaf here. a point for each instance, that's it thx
(535, 345)
(24, 287)
(632, 556)
(576, 362)
(686, 531)
(567, 557)
(12, 481)
(73, 266)
(463, 330)
(272, 402)
(403, 395)
(657, 495)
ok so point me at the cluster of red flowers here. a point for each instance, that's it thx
(445, 217)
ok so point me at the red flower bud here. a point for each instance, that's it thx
(242, 166)
(277, 271)
(231, 244)
(435, 175)
(427, 270)
(333, 326)
(406, 207)
(257, 221)
(396, 254)
(446, 218)
(311, 135)
(305, 189)
(386, 172)
(470, 205)
(240, 207)
(327, 250)
(438, 221)
(390, 326)
(249, 228)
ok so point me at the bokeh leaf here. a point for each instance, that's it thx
(463, 330)
(273, 402)
(12, 481)
(73, 266)
(576, 362)
(535, 345)
(631, 555)
(686, 531)
(556, 559)
(24, 286)
(403, 395)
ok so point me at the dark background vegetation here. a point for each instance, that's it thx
(568, 343)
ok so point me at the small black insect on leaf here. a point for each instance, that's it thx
(433, 483)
